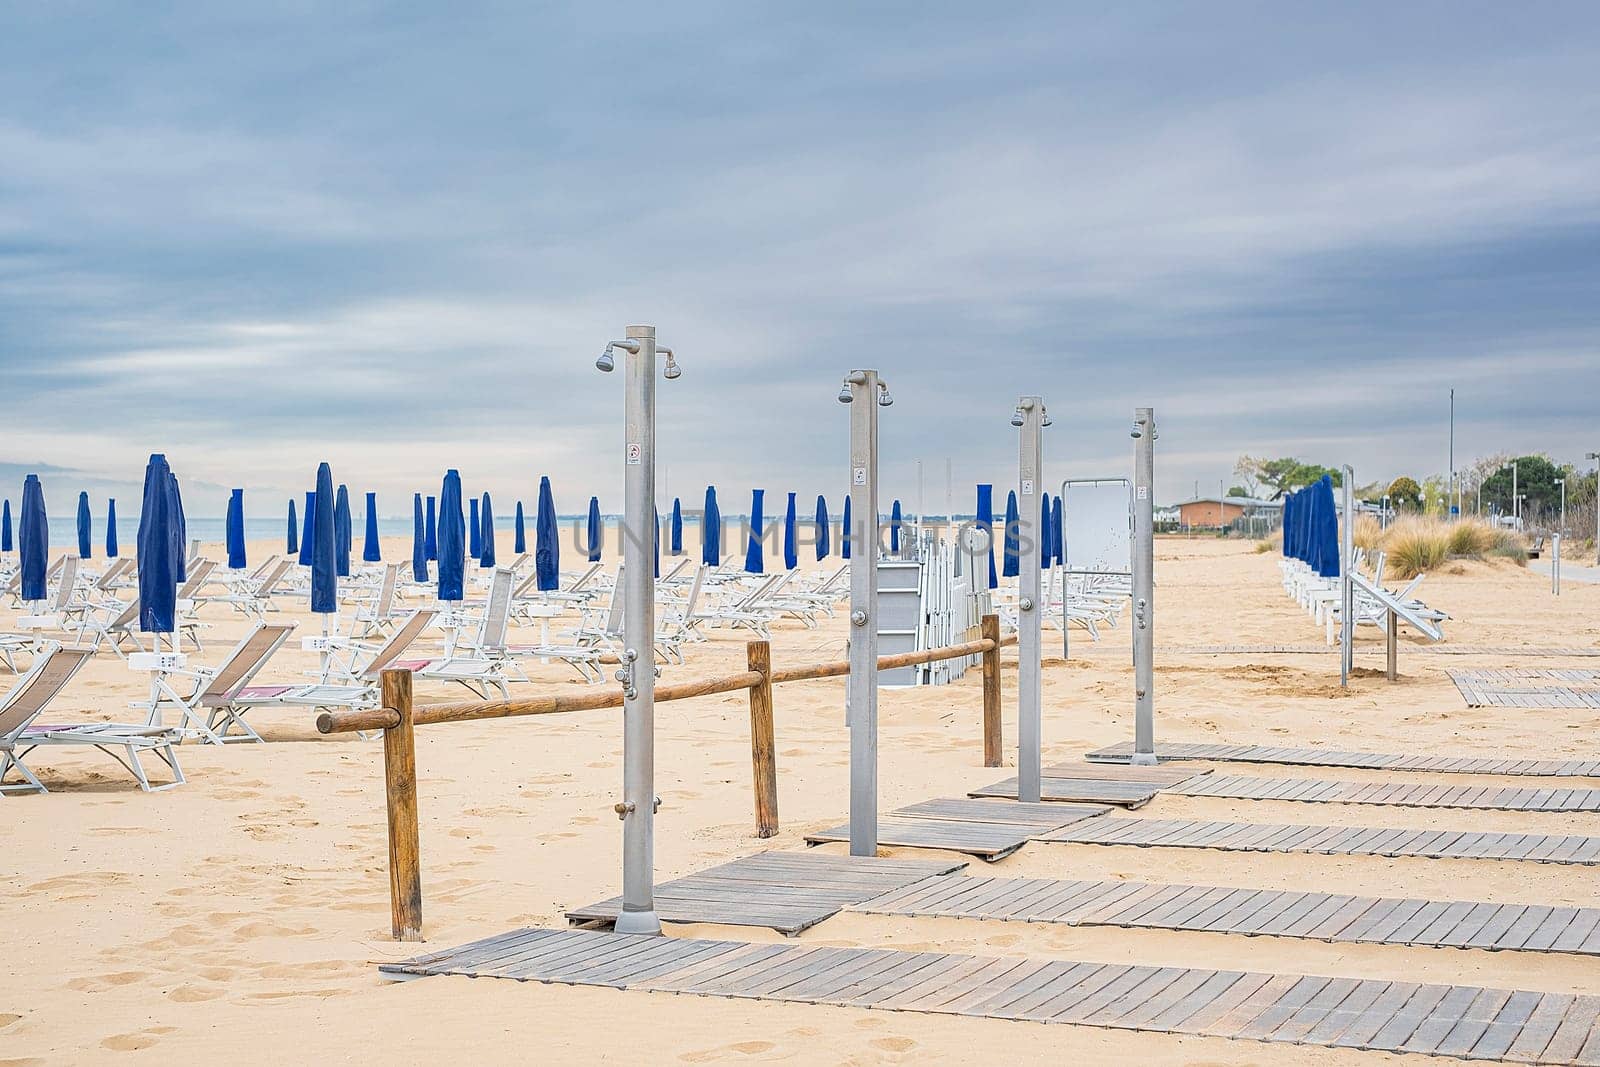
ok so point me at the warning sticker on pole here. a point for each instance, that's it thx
(635, 453)
(858, 476)
(1027, 487)
(1143, 492)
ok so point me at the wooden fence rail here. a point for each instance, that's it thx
(398, 717)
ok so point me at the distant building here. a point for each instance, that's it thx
(1212, 513)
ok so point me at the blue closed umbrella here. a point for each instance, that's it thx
(1044, 531)
(370, 550)
(235, 530)
(5, 527)
(1058, 534)
(677, 527)
(430, 533)
(711, 530)
(596, 531)
(753, 562)
(85, 534)
(111, 528)
(1010, 565)
(985, 522)
(520, 545)
(324, 545)
(655, 531)
(342, 532)
(845, 531)
(822, 527)
(452, 539)
(486, 539)
(292, 543)
(546, 541)
(474, 529)
(894, 528)
(180, 530)
(308, 529)
(791, 550)
(158, 575)
(33, 539)
(1330, 530)
(419, 541)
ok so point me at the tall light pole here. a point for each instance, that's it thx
(865, 393)
(1029, 418)
(1516, 501)
(1144, 608)
(1561, 531)
(637, 674)
(1596, 456)
(1452, 494)
(1347, 604)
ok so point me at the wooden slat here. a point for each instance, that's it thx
(1311, 757)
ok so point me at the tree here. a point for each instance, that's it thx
(1404, 493)
(1238, 490)
(1280, 475)
(1535, 478)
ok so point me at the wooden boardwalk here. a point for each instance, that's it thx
(1228, 910)
(1398, 794)
(1460, 1021)
(1386, 761)
(988, 829)
(1097, 783)
(1532, 688)
(1332, 840)
(1536, 651)
(787, 891)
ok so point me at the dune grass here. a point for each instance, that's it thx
(1417, 545)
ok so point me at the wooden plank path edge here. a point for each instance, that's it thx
(988, 829)
(1252, 912)
(1535, 651)
(786, 891)
(1391, 794)
(1382, 761)
(1457, 1021)
(1330, 840)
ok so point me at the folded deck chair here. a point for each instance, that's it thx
(481, 659)
(121, 626)
(256, 598)
(20, 733)
(378, 616)
(355, 687)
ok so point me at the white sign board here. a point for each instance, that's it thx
(1098, 516)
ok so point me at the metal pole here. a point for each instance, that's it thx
(1029, 418)
(1555, 564)
(1516, 501)
(864, 393)
(1452, 495)
(1347, 589)
(1144, 608)
(1596, 456)
(637, 674)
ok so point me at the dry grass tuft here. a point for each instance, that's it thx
(1368, 532)
(1416, 545)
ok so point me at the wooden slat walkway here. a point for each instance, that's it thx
(1387, 761)
(1097, 783)
(787, 891)
(1332, 840)
(1530, 688)
(1223, 909)
(1461, 1021)
(1542, 652)
(988, 829)
(1399, 794)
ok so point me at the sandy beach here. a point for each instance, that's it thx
(243, 916)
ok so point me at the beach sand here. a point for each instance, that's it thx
(241, 917)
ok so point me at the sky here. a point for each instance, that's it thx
(395, 237)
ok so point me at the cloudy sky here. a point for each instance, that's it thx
(396, 236)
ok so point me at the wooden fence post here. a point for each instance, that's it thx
(991, 691)
(400, 786)
(763, 757)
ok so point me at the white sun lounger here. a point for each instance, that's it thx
(21, 733)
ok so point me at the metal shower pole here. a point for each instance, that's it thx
(865, 393)
(1029, 418)
(1347, 589)
(637, 674)
(1596, 456)
(1144, 608)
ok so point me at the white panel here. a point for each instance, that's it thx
(1098, 516)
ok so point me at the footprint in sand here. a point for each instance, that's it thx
(893, 1044)
(7, 1018)
(743, 1048)
(130, 1042)
(188, 993)
(99, 983)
